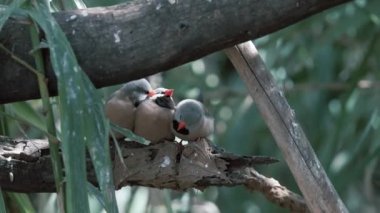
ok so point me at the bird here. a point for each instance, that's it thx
(121, 106)
(190, 121)
(153, 117)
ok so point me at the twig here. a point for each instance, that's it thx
(277, 193)
(20, 61)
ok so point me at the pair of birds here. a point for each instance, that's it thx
(153, 115)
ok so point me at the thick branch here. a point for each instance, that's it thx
(25, 166)
(129, 41)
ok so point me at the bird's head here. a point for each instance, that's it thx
(164, 92)
(163, 97)
(138, 90)
(188, 116)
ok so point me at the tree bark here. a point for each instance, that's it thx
(25, 166)
(133, 40)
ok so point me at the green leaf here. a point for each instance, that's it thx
(129, 134)
(83, 120)
(22, 201)
(28, 114)
(4, 14)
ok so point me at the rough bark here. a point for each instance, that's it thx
(129, 41)
(308, 172)
(25, 166)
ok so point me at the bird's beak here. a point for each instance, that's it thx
(151, 93)
(181, 125)
(169, 92)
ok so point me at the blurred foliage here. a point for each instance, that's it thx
(328, 66)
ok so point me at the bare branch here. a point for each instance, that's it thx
(308, 172)
(277, 193)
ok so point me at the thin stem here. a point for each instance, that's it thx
(3, 122)
(48, 111)
(20, 61)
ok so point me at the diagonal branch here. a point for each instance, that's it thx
(25, 166)
(308, 172)
(133, 40)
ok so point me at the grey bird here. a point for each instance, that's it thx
(121, 107)
(190, 121)
(154, 116)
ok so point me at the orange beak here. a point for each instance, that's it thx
(151, 93)
(181, 125)
(169, 92)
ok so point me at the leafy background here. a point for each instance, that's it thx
(329, 68)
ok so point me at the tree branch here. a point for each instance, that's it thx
(25, 166)
(308, 172)
(134, 40)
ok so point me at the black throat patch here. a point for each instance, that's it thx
(165, 102)
(183, 131)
